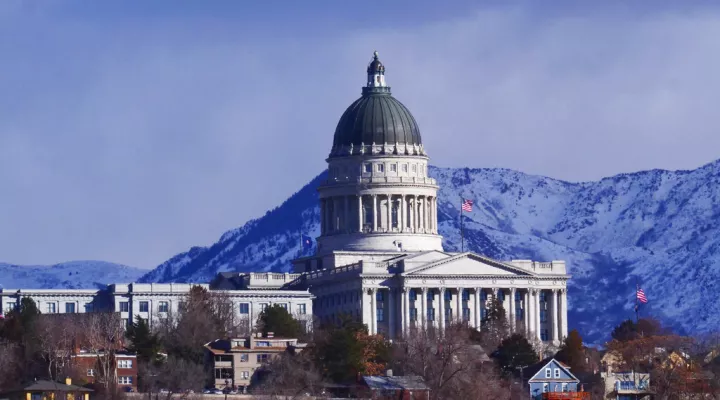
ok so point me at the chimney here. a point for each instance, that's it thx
(270, 335)
(68, 381)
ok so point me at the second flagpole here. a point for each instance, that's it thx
(462, 233)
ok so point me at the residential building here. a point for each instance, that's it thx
(395, 387)
(551, 379)
(124, 368)
(379, 255)
(236, 362)
(627, 385)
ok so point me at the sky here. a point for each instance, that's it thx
(133, 130)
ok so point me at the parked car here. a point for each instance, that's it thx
(212, 391)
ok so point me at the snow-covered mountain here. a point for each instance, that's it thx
(659, 227)
(68, 275)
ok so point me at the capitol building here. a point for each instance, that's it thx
(379, 257)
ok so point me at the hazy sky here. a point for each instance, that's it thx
(132, 130)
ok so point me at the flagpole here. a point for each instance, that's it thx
(462, 233)
(637, 305)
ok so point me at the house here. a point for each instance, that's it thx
(123, 367)
(47, 390)
(235, 362)
(396, 387)
(627, 385)
(551, 379)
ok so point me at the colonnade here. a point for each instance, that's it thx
(536, 312)
(378, 213)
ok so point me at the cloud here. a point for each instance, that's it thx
(130, 142)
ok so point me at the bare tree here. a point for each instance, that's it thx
(449, 363)
(10, 367)
(290, 377)
(102, 335)
(54, 337)
(175, 375)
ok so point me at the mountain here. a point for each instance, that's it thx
(68, 275)
(661, 228)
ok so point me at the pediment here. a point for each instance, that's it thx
(466, 264)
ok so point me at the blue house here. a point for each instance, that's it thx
(550, 376)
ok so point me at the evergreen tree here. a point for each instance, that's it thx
(277, 319)
(495, 325)
(18, 323)
(143, 342)
(515, 351)
(572, 352)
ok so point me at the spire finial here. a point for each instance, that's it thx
(375, 55)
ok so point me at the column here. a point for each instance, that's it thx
(346, 218)
(435, 217)
(526, 312)
(360, 214)
(555, 316)
(333, 214)
(389, 213)
(375, 221)
(532, 329)
(441, 323)
(391, 313)
(475, 310)
(431, 220)
(373, 312)
(402, 214)
(536, 306)
(405, 292)
(422, 318)
(563, 313)
(459, 312)
(412, 213)
(422, 215)
(511, 312)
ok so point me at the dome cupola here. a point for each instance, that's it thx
(377, 123)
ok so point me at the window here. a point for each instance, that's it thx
(284, 305)
(144, 306)
(379, 296)
(413, 295)
(466, 314)
(518, 297)
(430, 295)
(483, 313)
(223, 373)
(543, 315)
(91, 372)
(263, 306)
(557, 372)
(163, 306)
(261, 358)
(483, 295)
(448, 295)
(69, 308)
(431, 314)
(223, 358)
(544, 335)
(380, 167)
(548, 373)
(546, 387)
(244, 308)
(448, 315)
(51, 308)
(564, 387)
(380, 315)
(244, 358)
(367, 168)
(519, 314)
(262, 344)
(414, 168)
(125, 364)
(404, 168)
(244, 375)
(124, 323)
(125, 380)
(501, 295)
(413, 314)
(301, 309)
(393, 167)
(465, 294)
(543, 296)
(124, 306)
(88, 307)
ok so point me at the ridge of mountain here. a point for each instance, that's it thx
(658, 226)
(83, 274)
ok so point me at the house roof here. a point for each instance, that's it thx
(409, 382)
(532, 370)
(49, 386)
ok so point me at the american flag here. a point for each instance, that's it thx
(641, 296)
(467, 205)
